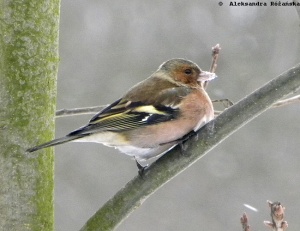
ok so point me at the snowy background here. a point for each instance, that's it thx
(107, 46)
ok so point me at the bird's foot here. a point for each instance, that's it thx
(182, 140)
(226, 102)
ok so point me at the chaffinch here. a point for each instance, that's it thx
(153, 115)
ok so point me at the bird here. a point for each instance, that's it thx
(153, 116)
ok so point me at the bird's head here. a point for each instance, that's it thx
(185, 72)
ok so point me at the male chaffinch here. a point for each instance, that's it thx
(153, 115)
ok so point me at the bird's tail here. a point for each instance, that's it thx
(54, 142)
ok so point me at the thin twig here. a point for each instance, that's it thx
(244, 222)
(294, 99)
(95, 109)
(277, 216)
(79, 111)
(215, 55)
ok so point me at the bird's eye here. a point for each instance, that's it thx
(188, 71)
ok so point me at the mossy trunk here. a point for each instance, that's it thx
(28, 70)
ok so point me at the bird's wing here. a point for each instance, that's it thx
(126, 114)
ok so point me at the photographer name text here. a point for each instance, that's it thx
(276, 3)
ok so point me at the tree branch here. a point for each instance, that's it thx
(169, 165)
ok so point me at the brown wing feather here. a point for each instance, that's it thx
(125, 114)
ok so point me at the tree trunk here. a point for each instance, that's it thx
(28, 70)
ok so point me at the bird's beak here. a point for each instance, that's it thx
(206, 76)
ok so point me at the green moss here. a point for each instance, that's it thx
(28, 69)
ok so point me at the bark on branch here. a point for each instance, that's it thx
(168, 166)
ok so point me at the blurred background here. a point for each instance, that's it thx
(107, 46)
